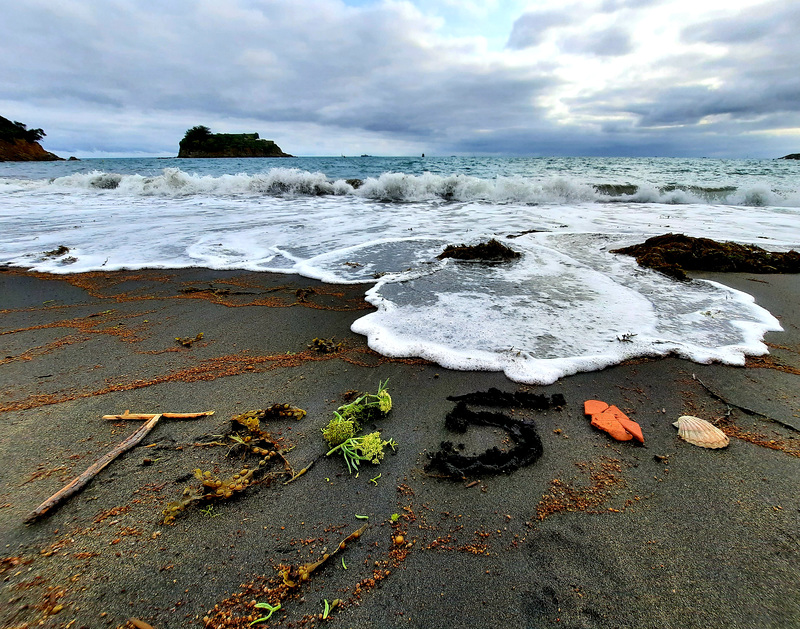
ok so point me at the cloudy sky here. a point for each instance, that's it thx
(717, 78)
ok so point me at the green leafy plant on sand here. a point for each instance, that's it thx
(341, 433)
(367, 448)
(339, 430)
(348, 418)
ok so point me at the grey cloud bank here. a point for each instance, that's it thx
(321, 77)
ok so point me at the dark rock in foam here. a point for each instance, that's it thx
(674, 254)
(493, 251)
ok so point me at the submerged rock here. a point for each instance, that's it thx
(491, 251)
(674, 254)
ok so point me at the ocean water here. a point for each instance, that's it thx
(567, 305)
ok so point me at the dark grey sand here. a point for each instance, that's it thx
(665, 535)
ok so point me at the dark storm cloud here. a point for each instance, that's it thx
(750, 85)
(621, 139)
(379, 69)
(440, 103)
(690, 105)
(660, 106)
(758, 74)
(530, 28)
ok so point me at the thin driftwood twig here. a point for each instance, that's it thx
(128, 415)
(744, 409)
(81, 481)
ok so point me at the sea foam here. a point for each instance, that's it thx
(550, 315)
(566, 305)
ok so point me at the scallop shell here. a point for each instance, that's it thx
(700, 433)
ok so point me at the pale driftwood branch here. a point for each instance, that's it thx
(133, 440)
(81, 481)
(127, 415)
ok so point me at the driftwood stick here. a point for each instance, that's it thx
(127, 415)
(81, 481)
(744, 409)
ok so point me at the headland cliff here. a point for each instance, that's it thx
(20, 144)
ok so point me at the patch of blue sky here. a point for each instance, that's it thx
(491, 20)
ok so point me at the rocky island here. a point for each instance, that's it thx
(200, 142)
(20, 144)
(792, 156)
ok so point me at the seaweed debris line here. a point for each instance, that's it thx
(674, 254)
(527, 444)
(244, 438)
(520, 399)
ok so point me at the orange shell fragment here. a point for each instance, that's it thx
(628, 424)
(613, 421)
(594, 407)
(607, 422)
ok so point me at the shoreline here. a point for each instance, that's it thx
(595, 533)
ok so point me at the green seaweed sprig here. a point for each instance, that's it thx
(329, 607)
(366, 448)
(339, 430)
(271, 608)
(367, 406)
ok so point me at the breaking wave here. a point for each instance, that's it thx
(398, 187)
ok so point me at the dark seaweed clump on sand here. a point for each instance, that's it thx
(674, 254)
(520, 399)
(526, 450)
(493, 251)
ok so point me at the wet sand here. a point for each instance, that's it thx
(595, 533)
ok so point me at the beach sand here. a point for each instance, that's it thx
(595, 533)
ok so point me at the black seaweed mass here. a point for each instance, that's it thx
(527, 446)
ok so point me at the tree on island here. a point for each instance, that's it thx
(200, 142)
(20, 144)
(198, 133)
(10, 131)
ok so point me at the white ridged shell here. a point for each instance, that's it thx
(700, 433)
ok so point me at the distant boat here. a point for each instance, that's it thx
(365, 155)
